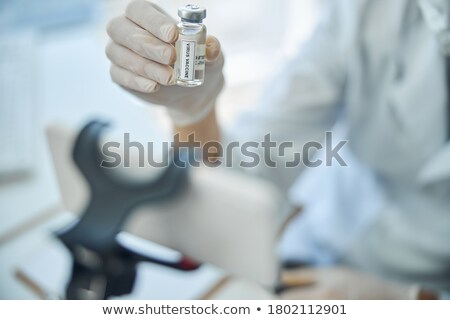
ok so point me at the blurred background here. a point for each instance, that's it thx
(53, 69)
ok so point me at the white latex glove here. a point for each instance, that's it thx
(142, 53)
(343, 284)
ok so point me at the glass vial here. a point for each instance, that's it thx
(190, 46)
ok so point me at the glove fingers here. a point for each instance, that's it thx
(214, 56)
(152, 19)
(213, 67)
(133, 62)
(126, 33)
(212, 48)
(132, 81)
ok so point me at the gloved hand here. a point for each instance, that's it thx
(142, 53)
(343, 284)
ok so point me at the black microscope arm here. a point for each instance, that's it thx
(102, 267)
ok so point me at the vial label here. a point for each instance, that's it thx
(200, 61)
(187, 65)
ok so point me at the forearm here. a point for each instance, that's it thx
(198, 134)
(203, 131)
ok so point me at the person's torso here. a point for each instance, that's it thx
(396, 97)
(397, 114)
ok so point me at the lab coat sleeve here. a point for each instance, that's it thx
(300, 102)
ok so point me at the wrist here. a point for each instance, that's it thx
(186, 117)
(203, 131)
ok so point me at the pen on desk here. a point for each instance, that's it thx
(291, 281)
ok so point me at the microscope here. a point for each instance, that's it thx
(209, 215)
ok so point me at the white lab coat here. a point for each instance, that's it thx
(376, 65)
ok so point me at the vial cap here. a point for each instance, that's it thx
(192, 13)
